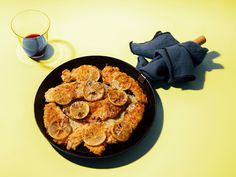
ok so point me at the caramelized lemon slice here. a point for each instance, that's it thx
(120, 81)
(86, 73)
(79, 109)
(59, 129)
(93, 91)
(117, 97)
(121, 131)
(94, 135)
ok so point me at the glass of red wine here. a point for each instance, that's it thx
(31, 27)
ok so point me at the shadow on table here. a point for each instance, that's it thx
(57, 52)
(48, 53)
(200, 71)
(132, 154)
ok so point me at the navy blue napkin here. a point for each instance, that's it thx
(171, 60)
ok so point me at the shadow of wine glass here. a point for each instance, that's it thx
(48, 53)
(133, 153)
(207, 65)
(57, 52)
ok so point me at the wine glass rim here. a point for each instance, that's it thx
(28, 10)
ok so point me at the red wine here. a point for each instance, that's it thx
(35, 45)
(32, 35)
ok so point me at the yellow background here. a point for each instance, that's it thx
(198, 137)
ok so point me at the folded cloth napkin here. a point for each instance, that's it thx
(171, 60)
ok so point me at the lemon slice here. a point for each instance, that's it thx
(120, 81)
(86, 73)
(79, 109)
(59, 129)
(94, 135)
(121, 131)
(117, 97)
(93, 91)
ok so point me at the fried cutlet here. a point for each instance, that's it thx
(51, 113)
(108, 74)
(107, 112)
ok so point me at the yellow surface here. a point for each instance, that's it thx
(198, 137)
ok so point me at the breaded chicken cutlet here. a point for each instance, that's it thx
(95, 112)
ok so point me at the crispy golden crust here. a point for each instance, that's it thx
(134, 114)
(62, 142)
(104, 112)
(79, 91)
(104, 109)
(108, 72)
(110, 138)
(52, 112)
(66, 76)
(117, 97)
(81, 73)
(76, 138)
(93, 91)
(61, 94)
(120, 81)
(98, 150)
(137, 91)
(86, 73)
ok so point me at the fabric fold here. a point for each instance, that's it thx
(171, 60)
(147, 49)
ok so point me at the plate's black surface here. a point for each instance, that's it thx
(54, 78)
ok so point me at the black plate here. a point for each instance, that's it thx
(54, 78)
